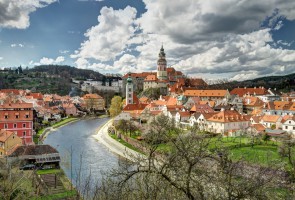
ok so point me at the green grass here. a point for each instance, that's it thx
(260, 154)
(49, 171)
(63, 195)
(114, 136)
(63, 122)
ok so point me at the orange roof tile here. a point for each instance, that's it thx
(270, 118)
(249, 91)
(227, 116)
(205, 93)
(4, 135)
(92, 96)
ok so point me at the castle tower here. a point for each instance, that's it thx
(162, 65)
(129, 90)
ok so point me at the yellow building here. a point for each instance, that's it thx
(94, 102)
(8, 141)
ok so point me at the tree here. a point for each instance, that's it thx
(191, 170)
(116, 106)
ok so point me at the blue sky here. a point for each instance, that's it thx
(228, 39)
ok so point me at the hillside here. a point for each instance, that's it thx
(46, 78)
(284, 83)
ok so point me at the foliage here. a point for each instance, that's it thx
(188, 171)
(151, 93)
(116, 106)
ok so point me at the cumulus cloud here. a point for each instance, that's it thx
(109, 38)
(15, 13)
(226, 39)
(49, 61)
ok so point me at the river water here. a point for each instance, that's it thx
(89, 157)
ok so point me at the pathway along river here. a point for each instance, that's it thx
(89, 157)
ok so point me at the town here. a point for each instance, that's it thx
(138, 99)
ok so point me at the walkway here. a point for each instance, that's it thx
(113, 145)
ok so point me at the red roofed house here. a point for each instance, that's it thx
(271, 120)
(207, 94)
(241, 92)
(18, 118)
(227, 122)
(94, 101)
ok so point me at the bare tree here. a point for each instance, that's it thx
(191, 170)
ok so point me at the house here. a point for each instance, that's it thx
(242, 92)
(200, 120)
(288, 124)
(256, 129)
(252, 104)
(271, 121)
(18, 118)
(40, 155)
(279, 108)
(70, 109)
(201, 108)
(123, 116)
(94, 102)
(227, 122)
(182, 117)
(206, 95)
(8, 141)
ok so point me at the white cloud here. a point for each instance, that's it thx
(221, 39)
(48, 61)
(64, 51)
(108, 39)
(1, 58)
(15, 13)
(17, 45)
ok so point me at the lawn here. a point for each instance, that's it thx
(114, 136)
(63, 122)
(49, 171)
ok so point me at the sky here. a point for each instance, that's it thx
(224, 39)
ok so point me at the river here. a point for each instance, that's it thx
(89, 157)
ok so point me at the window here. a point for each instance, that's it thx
(293, 127)
(289, 122)
(6, 116)
(286, 127)
(27, 116)
(5, 126)
(24, 133)
(129, 89)
(14, 126)
(16, 116)
(24, 125)
(129, 95)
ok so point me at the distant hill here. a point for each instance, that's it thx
(284, 83)
(46, 78)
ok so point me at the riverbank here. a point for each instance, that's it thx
(114, 146)
(43, 134)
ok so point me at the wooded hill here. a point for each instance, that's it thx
(284, 83)
(53, 79)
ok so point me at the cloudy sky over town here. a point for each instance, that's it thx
(232, 39)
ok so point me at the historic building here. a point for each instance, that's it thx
(18, 118)
(129, 91)
(161, 79)
(94, 102)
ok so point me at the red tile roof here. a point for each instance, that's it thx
(249, 91)
(227, 116)
(205, 93)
